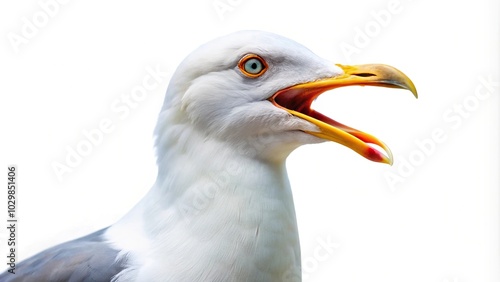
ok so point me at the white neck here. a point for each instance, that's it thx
(214, 214)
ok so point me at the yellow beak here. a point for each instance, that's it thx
(297, 100)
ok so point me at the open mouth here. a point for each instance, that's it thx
(297, 101)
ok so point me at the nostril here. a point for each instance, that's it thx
(364, 74)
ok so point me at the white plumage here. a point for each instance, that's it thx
(221, 208)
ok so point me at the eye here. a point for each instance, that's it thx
(252, 65)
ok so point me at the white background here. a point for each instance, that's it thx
(440, 222)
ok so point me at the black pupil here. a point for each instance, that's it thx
(253, 66)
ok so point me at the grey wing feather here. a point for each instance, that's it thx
(87, 258)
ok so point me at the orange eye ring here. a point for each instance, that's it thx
(252, 65)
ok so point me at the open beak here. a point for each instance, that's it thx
(297, 101)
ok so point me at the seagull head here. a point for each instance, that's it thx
(254, 90)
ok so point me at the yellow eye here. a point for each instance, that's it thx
(252, 65)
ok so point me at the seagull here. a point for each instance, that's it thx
(221, 208)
